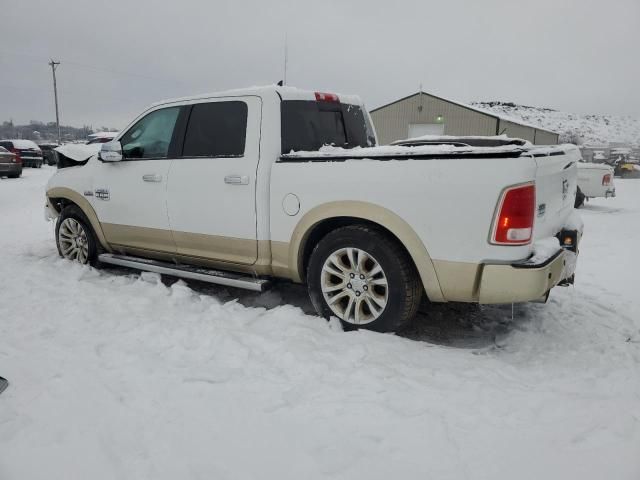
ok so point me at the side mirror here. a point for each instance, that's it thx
(110, 152)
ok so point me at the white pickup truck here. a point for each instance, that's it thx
(594, 180)
(241, 187)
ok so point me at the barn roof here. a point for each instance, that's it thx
(488, 113)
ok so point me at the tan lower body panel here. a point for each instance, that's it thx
(139, 237)
(497, 283)
(459, 281)
(225, 249)
(507, 284)
(213, 251)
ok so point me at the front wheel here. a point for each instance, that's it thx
(74, 237)
(364, 277)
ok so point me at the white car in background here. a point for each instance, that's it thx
(594, 180)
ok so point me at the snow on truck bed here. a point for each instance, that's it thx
(117, 375)
(401, 151)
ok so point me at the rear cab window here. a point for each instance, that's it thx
(309, 125)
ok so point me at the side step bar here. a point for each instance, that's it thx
(186, 271)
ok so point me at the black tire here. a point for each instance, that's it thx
(14, 175)
(580, 197)
(74, 212)
(404, 285)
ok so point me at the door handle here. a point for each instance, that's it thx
(152, 177)
(237, 179)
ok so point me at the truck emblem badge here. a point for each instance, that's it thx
(88, 193)
(542, 209)
(102, 193)
(565, 189)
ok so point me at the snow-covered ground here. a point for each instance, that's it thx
(572, 127)
(116, 375)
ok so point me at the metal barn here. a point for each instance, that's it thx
(425, 114)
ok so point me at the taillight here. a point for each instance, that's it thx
(17, 158)
(606, 180)
(327, 97)
(515, 216)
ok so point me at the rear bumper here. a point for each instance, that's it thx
(611, 192)
(31, 161)
(523, 281)
(10, 168)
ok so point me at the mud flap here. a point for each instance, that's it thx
(4, 383)
(567, 281)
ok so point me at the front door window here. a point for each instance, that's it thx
(151, 136)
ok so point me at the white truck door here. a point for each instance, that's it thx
(130, 195)
(211, 194)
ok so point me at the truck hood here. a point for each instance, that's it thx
(79, 152)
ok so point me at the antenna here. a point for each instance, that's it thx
(286, 57)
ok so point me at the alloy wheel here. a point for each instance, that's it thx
(73, 240)
(354, 285)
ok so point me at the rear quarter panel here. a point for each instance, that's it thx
(450, 204)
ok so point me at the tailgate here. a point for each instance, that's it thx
(556, 184)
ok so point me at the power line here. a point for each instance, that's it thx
(39, 60)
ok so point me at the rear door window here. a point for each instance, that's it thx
(309, 125)
(216, 129)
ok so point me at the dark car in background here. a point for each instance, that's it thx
(48, 153)
(25, 150)
(10, 165)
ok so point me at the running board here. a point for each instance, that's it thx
(186, 271)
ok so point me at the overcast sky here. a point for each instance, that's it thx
(118, 56)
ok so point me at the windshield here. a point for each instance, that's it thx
(309, 125)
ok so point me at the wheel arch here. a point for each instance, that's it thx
(60, 197)
(319, 221)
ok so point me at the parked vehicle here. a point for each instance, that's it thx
(73, 154)
(101, 137)
(276, 182)
(10, 164)
(48, 154)
(27, 151)
(594, 180)
(624, 163)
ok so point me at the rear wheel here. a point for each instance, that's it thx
(74, 236)
(365, 278)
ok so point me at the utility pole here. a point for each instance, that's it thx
(53, 66)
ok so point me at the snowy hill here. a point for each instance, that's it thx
(573, 128)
